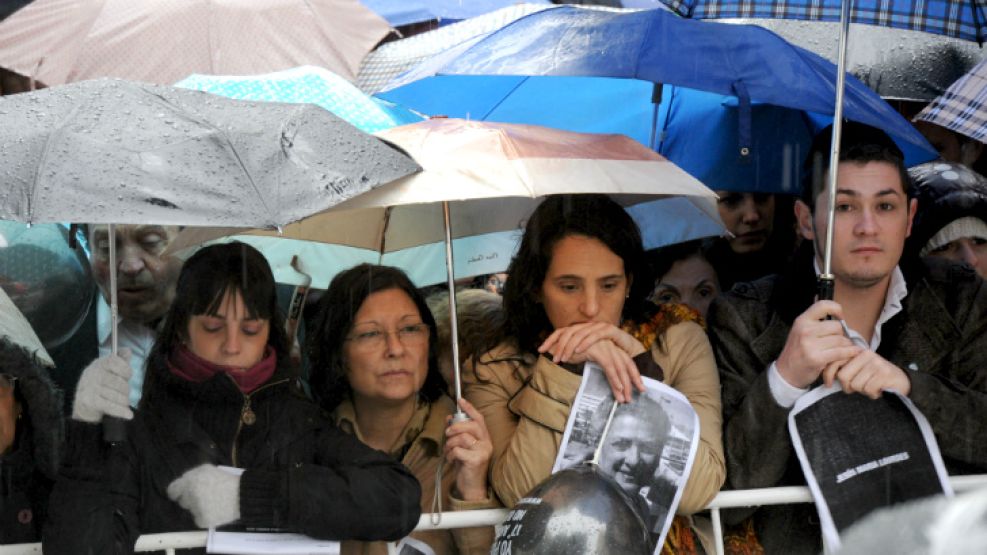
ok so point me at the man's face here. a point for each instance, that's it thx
(873, 218)
(971, 250)
(749, 216)
(145, 280)
(630, 455)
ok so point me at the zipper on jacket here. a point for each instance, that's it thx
(247, 416)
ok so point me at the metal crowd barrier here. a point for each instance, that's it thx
(488, 517)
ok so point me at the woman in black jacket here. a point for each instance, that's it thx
(31, 432)
(219, 394)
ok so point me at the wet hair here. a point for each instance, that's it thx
(559, 216)
(859, 143)
(335, 313)
(479, 313)
(206, 278)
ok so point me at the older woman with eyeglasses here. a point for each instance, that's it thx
(373, 355)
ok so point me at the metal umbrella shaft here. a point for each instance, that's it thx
(826, 281)
(459, 415)
(114, 429)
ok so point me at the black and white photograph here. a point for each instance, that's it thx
(860, 454)
(648, 449)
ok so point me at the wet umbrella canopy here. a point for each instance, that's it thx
(113, 151)
(898, 64)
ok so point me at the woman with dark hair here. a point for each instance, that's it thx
(373, 354)
(684, 275)
(575, 294)
(223, 433)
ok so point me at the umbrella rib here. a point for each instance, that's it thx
(57, 132)
(229, 143)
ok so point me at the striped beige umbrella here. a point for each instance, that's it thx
(163, 41)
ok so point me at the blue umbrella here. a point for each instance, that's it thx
(404, 12)
(308, 85)
(594, 71)
(962, 19)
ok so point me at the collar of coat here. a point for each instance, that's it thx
(425, 428)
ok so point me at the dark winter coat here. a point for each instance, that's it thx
(938, 338)
(28, 471)
(302, 473)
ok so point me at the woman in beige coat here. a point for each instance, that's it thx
(575, 293)
(373, 358)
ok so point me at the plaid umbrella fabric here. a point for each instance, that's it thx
(963, 107)
(962, 19)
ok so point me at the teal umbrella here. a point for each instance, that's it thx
(308, 85)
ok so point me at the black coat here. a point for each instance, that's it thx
(302, 474)
(29, 469)
(939, 338)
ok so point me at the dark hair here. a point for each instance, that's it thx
(557, 217)
(859, 143)
(662, 259)
(206, 278)
(334, 319)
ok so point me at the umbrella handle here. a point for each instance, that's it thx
(825, 287)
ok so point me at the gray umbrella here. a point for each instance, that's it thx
(114, 151)
(899, 64)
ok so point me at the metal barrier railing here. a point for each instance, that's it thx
(488, 517)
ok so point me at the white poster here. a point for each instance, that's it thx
(648, 450)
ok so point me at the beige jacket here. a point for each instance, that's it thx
(526, 403)
(423, 458)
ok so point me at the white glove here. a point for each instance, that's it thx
(211, 494)
(104, 389)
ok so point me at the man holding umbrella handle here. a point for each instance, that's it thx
(918, 327)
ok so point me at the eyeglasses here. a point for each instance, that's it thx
(7, 381)
(374, 339)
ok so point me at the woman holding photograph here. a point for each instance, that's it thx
(223, 433)
(374, 359)
(575, 294)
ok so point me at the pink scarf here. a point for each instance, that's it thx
(186, 365)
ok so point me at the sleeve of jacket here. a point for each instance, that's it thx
(953, 393)
(756, 439)
(476, 540)
(351, 492)
(525, 417)
(94, 505)
(691, 369)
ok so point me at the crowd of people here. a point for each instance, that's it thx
(224, 428)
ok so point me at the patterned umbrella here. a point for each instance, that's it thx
(407, 12)
(962, 19)
(308, 85)
(963, 107)
(394, 58)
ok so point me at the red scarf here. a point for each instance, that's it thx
(186, 365)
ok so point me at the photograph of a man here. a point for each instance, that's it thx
(631, 455)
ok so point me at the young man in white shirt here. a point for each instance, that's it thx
(912, 326)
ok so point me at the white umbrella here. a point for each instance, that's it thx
(482, 178)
